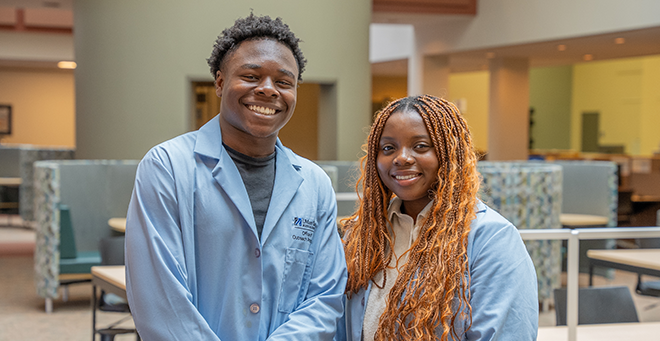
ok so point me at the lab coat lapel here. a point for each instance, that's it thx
(287, 181)
(225, 173)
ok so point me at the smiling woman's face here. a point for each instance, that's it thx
(406, 160)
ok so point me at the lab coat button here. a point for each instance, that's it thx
(257, 252)
(254, 308)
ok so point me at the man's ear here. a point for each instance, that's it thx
(219, 83)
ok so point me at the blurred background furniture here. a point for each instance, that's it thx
(598, 305)
(18, 160)
(529, 194)
(74, 267)
(112, 254)
(640, 261)
(94, 191)
(344, 175)
(111, 279)
(590, 188)
(649, 288)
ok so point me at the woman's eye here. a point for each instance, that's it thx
(387, 148)
(422, 146)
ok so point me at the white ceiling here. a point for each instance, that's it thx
(642, 42)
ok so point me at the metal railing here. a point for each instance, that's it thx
(573, 257)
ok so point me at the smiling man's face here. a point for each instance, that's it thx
(258, 86)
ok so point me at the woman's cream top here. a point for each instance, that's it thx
(405, 231)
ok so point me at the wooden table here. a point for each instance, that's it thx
(10, 182)
(641, 261)
(582, 220)
(118, 224)
(110, 279)
(604, 332)
(572, 221)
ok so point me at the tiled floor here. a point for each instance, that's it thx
(22, 315)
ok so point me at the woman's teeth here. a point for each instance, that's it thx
(261, 110)
(404, 177)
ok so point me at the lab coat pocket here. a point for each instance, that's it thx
(297, 270)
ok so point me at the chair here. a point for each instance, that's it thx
(649, 288)
(75, 267)
(112, 253)
(598, 305)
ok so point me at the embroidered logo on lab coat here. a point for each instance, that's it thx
(304, 229)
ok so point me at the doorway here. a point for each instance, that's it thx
(301, 133)
(590, 131)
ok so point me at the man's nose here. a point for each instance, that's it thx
(267, 87)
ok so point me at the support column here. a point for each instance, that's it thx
(508, 117)
(415, 72)
(435, 75)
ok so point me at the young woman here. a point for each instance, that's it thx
(426, 259)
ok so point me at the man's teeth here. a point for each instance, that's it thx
(404, 177)
(262, 110)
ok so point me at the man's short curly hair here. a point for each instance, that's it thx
(254, 28)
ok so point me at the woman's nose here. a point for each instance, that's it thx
(404, 157)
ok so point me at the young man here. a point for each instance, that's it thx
(230, 235)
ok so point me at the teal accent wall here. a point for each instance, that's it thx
(550, 90)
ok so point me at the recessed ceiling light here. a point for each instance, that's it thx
(66, 65)
(620, 40)
(490, 55)
(561, 47)
(588, 57)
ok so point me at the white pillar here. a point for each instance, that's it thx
(508, 117)
(415, 67)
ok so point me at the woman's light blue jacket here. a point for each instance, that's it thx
(503, 288)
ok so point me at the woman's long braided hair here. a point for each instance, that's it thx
(432, 289)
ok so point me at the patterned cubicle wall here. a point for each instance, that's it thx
(94, 190)
(529, 195)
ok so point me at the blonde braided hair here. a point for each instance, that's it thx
(432, 288)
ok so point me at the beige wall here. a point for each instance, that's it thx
(301, 133)
(469, 87)
(135, 65)
(472, 88)
(625, 93)
(42, 101)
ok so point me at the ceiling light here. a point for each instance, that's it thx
(620, 40)
(561, 47)
(66, 65)
(490, 55)
(588, 57)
